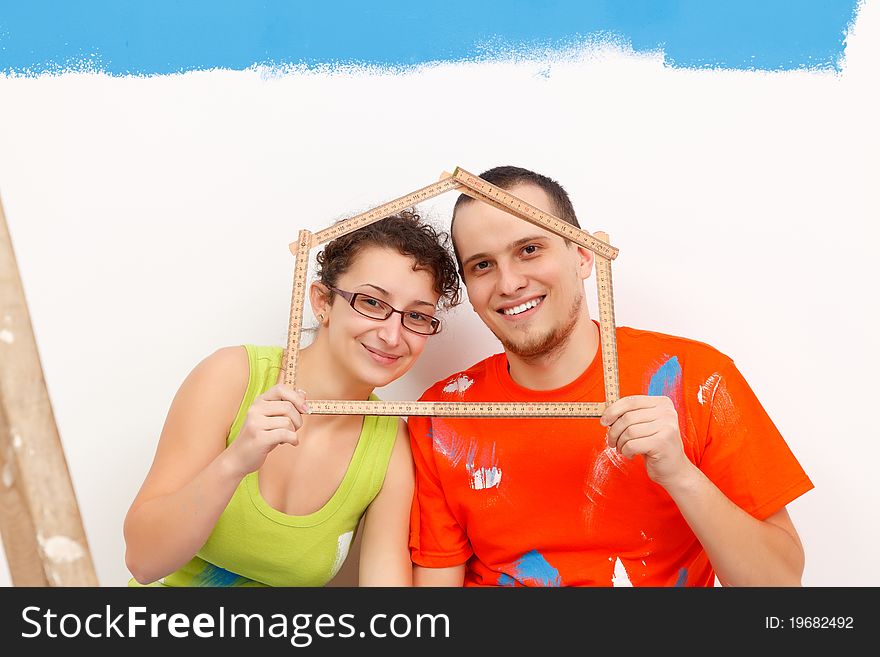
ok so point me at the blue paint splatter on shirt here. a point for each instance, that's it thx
(682, 577)
(506, 580)
(666, 380)
(215, 576)
(533, 569)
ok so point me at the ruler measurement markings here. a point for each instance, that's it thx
(297, 303)
(392, 207)
(533, 214)
(561, 228)
(607, 327)
(457, 409)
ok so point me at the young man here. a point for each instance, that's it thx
(682, 479)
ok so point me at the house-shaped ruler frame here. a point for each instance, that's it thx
(478, 189)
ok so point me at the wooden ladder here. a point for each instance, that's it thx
(40, 524)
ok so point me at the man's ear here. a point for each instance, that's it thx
(586, 259)
(320, 298)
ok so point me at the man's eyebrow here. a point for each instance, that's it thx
(526, 240)
(386, 293)
(510, 247)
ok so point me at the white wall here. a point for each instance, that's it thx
(151, 218)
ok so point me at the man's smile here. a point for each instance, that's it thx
(518, 309)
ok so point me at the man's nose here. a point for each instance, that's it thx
(510, 279)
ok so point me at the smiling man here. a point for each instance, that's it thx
(683, 479)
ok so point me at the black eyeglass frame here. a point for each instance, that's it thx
(351, 298)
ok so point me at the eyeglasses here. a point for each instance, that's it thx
(377, 309)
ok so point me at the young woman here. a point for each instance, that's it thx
(246, 488)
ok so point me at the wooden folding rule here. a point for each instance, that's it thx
(481, 190)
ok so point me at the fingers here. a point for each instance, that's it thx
(263, 416)
(624, 405)
(276, 415)
(281, 401)
(629, 442)
(635, 417)
(632, 421)
(283, 392)
(282, 436)
(278, 422)
(281, 409)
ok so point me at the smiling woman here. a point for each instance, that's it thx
(246, 489)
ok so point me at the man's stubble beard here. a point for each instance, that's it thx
(542, 347)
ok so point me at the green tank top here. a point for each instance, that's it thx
(253, 544)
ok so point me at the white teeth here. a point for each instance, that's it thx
(516, 310)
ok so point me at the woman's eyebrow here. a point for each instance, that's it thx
(387, 294)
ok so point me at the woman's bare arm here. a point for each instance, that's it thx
(194, 475)
(384, 559)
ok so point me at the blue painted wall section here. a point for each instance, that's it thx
(155, 37)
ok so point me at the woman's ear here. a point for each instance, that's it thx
(320, 298)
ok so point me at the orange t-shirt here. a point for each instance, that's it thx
(545, 502)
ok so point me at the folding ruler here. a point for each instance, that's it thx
(481, 190)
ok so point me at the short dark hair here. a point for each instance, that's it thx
(507, 177)
(406, 232)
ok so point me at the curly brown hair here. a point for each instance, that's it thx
(406, 232)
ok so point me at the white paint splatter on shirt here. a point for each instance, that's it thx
(723, 409)
(620, 577)
(608, 459)
(485, 478)
(486, 474)
(458, 385)
(342, 545)
(447, 443)
(707, 391)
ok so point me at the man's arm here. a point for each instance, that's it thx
(451, 576)
(743, 550)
